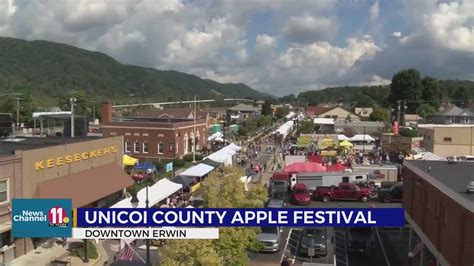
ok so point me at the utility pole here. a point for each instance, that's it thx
(17, 112)
(194, 131)
(399, 102)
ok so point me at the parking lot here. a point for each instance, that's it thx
(390, 243)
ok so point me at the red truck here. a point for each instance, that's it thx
(345, 191)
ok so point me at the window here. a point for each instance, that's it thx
(145, 147)
(160, 148)
(136, 147)
(447, 139)
(171, 148)
(345, 179)
(113, 133)
(4, 191)
(128, 146)
(359, 177)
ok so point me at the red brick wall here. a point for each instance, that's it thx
(448, 225)
(153, 137)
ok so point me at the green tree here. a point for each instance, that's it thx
(462, 94)
(408, 132)
(281, 112)
(221, 191)
(431, 91)
(189, 253)
(425, 110)
(380, 114)
(264, 120)
(82, 102)
(406, 85)
(365, 101)
(306, 127)
(267, 108)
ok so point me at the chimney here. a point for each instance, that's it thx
(106, 112)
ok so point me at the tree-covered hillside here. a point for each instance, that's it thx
(51, 70)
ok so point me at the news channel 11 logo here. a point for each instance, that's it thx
(57, 217)
(41, 218)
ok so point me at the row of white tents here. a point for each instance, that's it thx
(357, 137)
(286, 128)
(165, 188)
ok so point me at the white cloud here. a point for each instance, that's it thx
(452, 25)
(374, 11)
(294, 49)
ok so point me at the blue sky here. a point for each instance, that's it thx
(276, 46)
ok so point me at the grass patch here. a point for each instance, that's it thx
(79, 251)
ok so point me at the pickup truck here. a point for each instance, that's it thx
(394, 192)
(345, 191)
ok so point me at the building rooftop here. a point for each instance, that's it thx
(450, 178)
(453, 110)
(172, 113)
(444, 125)
(11, 144)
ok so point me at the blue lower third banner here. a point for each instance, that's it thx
(189, 217)
(41, 217)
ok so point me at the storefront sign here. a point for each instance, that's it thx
(72, 158)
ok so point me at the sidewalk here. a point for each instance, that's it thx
(42, 256)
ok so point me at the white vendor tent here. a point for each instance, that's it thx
(341, 137)
(290, 115)
(362, 137)
(323, 121)
(234, 147)
(198, 170)
(156, 193)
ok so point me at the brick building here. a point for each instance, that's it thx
(439, 210)
(155, 138)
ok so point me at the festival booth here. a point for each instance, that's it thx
(211, 163)
(338, 167)
(345, 146)
(290, 115)
(224, 155)
(299, 167)
(129, 161)
(198, 172)
(140, 170)
(156, 193)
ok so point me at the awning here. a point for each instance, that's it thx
(183, 180)
(87, 186)
(198, 170)
(129, 161)
(156, 193)
(210, 162)
(345, 143)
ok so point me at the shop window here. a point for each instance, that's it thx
(4, 191)
(160, 148)
(136, 147)
(128, 146)
(145, 147)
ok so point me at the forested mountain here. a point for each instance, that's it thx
(454, 90)
(52, 69)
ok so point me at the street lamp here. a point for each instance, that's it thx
(135, 201)
(72, 101)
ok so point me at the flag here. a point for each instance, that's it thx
(418, 247)
(126, 252)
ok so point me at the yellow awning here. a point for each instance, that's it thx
(345, 143)
(129, 161)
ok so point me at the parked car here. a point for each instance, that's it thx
(300, 195)
(470, 187)
(345, 191)
(276, 203)
(316, 238)
(392, 193)
(271, 239)
(361, 239)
